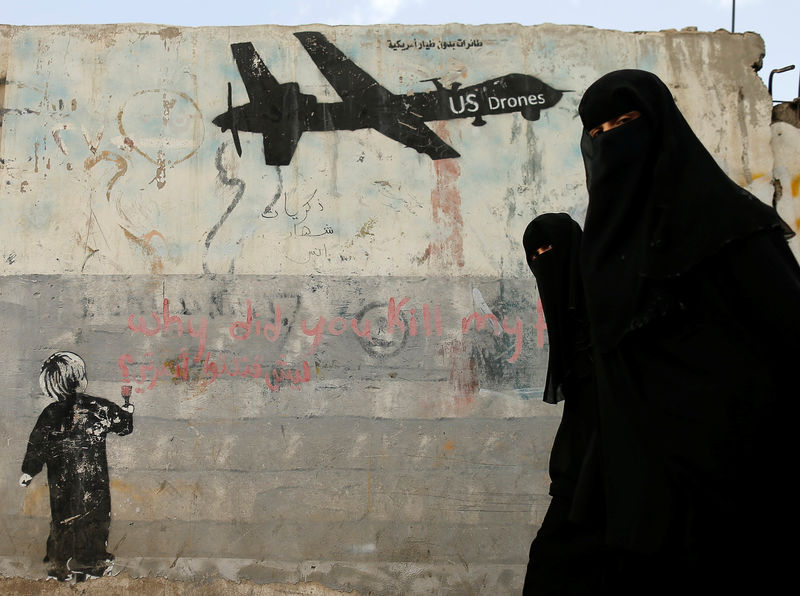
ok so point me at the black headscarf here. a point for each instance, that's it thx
(558, 278)
(658, 204)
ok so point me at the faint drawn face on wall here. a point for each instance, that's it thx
(615, 122)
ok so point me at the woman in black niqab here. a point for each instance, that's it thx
(557, 272)
(566, 555)
(658, 202)
(693, 299)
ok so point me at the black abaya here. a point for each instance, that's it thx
(566, 555)
(693, 300)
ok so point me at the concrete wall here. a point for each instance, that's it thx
(786, 147)
(410, 459)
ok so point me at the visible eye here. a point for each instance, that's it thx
(540, 251)
(625, 118)
(615, 122)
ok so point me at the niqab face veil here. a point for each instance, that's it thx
(557, 274)
(658, 203)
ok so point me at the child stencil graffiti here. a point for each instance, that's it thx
(70, 438)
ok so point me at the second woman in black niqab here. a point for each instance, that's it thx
(693, 299)
(566, 555)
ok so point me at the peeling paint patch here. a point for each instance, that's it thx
(366, 229)
(169, 33)
(446, 206)
(464, 380)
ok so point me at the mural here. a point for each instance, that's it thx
(70, 439)
(336, 349)
(281, 113)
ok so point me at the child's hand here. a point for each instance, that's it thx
(128, 408)
(25, 480)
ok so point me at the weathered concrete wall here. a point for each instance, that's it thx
(786, 146)
(407, 451)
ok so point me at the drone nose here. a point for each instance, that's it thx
(221, 121)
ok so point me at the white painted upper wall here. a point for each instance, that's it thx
(111, 163)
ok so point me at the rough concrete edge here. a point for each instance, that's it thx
(6, 28)
(785, 115)
(787, 111)
(125, 584)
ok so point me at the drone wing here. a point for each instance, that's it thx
(373, 103)
(257, 78)
(413, 132)
(348, 79)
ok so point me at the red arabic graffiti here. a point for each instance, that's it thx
(150, 372)
(204, 365)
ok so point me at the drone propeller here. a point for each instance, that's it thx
(234, 130)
